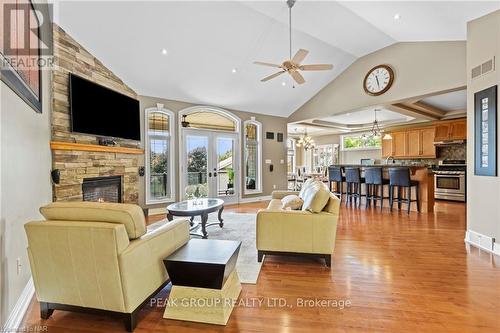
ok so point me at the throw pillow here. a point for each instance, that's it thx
(316, 197)
(291, 201)
(304, 187)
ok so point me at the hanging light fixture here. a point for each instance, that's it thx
(375, 132)
(305, 141)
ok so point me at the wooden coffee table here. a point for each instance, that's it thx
(197, 207)
(205, 284)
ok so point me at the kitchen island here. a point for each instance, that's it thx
(421, 173)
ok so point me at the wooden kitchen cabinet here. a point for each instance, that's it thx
(442, 132)
(399, 144)
(411, 143)
(414, 142)
(451, 130)
(387, 148)
(458, 130)
(428, 149)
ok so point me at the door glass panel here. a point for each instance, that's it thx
(449, 183)
(197, 167)
(225, 166)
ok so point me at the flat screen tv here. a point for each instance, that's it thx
(103, 112)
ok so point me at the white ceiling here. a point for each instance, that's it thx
(367, 116)
(205, 40)
(456, 100)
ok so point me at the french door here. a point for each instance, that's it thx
(209, 165)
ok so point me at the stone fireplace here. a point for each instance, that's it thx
(78, 157)
(102, 189)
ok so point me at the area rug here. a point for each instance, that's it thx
(239, 227)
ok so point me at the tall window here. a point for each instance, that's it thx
(323, 156)
(253, 156)
(160, 155)
(20, 50)
(290, 145)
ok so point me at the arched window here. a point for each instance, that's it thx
(253, 156)
(159, 155)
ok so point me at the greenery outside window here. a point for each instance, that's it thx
(159, 155)
(253, 156)
(360, 142)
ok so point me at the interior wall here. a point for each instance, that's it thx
(421, 68)
(483, 43)
(25, 181)
(271, 149)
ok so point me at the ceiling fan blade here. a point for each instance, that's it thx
(299, 56)
(297, 77)
(267, 78)
(316, 67)
(266, 64)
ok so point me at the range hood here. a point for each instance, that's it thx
(449, 143)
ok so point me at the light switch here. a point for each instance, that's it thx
(268, 161)
(282, 161)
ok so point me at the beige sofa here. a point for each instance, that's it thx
(100, 257)
(297, 232)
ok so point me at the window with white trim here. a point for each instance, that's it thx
(159, 155)
(361, 141)
(253, 156)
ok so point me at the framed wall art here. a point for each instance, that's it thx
(485, 132)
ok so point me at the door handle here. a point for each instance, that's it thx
(215, 174)
(209, 174)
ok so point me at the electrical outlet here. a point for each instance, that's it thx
(274, 187)
(19, 265)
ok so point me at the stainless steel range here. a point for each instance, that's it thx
(449, 180)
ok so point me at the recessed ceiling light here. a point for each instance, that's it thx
(397, 16)
(234, 70)
(164, 51)
(283, 83)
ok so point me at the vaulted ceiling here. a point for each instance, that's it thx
(210, 45)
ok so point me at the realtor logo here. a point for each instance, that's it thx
(21, 28)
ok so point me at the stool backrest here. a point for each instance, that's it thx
(399, 176)
(353, 175)
(373, 176)
(335, 173)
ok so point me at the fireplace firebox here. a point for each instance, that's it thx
(102, 189)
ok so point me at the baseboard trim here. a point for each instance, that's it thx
(16, 316)
(483, 242)
(255, 199)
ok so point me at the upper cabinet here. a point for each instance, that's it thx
(451, 130)
(410, 143)
(418, 142)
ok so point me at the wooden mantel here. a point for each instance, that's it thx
(59, 145)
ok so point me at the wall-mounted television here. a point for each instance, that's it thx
(103, 112)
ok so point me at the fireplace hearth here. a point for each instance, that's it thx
(102, 189)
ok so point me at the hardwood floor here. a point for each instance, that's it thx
(400, 273)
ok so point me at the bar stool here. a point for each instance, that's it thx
(374, 185)
(353, 181)
(335, 176)
(400, 178)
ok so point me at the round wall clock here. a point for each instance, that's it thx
(378, 80)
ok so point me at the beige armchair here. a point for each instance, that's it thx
(100, 256)
(297, 232)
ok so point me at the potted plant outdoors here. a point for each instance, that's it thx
(230, 176)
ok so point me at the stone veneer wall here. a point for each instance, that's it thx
(71, 57)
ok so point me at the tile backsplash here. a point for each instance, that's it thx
(455, 152)
(452, 152)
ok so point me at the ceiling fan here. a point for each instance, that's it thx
(293, 65)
